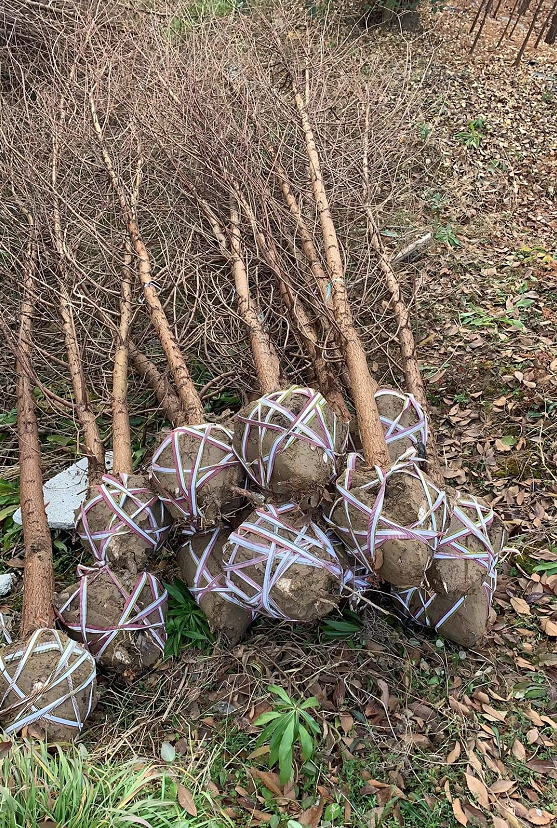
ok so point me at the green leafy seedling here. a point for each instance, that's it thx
(289, 723)
(186, 623)
(342, 629)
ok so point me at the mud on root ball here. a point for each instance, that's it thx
(290, 442)
(194, 470)
(119, 617)
(404, 423)
(389, 521)
(123, 521)
(468, 549)
(47, 680)
(280, 564)
(200, 561)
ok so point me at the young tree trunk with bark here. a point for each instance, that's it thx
(38, 579)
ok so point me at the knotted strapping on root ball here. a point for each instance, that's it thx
(389, 521)
(467, 549)
(194, 470)
(48, 681)
(119, 618)
(404, 423)
(282, 565)
(463, 620)
(123, 521)
(200, 562)
(290, 442)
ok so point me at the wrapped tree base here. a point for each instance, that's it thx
(404, 423)
(468, 549)
(193, 470)
(281, 565)
(200, 562)
(119, 618)
(463, 620)
(290, 442)
(389, 521)
(123, 521)
(49, 681)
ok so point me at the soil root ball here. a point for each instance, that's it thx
(200, 562)
(463, 620)
(290, 442)
(404, 423)
(123, 521)
(467, 549)
(48, 681)
(282, 565)
(389, 521)
(193, 470)
(119, 618)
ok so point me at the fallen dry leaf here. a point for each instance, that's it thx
(185, 798)
(519, 751)
(499, 822)
(534, 717)
(520, 606)
(416, 739)
(454, 754)
(501, 786)
(459, 814)
(549, 627)
(347, 722)
(544, 766)
(533, 735)
(270, 780)
(538, 817)
(498, 715)
(479, 789)
(312, 816)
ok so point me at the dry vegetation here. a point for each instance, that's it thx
(195, 114)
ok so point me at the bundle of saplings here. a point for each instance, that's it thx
(46, 680)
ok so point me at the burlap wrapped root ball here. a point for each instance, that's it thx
(200, 563)
(280, 564)
(119, 617)
(468, 547)
(194, 470)
(389, 521)
(122, 521)
(48, 681)
(404, 423)
(290, 442)
(464, 620)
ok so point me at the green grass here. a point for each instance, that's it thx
(63, 788)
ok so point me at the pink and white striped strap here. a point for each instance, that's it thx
(114, 492)
(192, 475)
(309, 425)
(274, 545)
(150, 618)
(34, 708)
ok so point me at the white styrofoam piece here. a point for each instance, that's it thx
(64, 493)
(6, 584)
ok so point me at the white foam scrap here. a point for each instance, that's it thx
(6, 584)
(64, 493)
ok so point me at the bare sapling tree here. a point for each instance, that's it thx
(412, 373)
(363, 385)
(94, 446)
(38, 578)
(185, 388)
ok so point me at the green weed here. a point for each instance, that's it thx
(471, 136)
(445, 233)
(348, 627)
(287, 724)
(186, 623)
(10, 532)
(38, 787)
